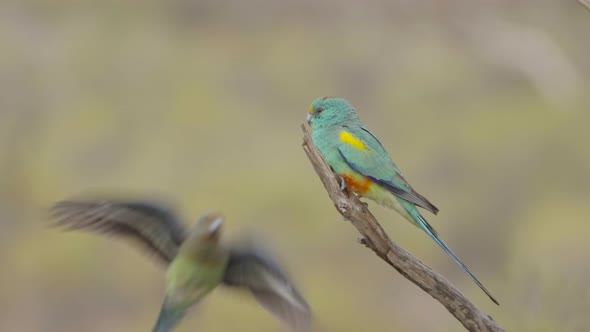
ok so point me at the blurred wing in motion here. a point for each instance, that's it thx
(151, 225)
(257, 271)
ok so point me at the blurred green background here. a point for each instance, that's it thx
(483, 104)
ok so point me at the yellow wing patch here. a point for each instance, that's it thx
(348, 138)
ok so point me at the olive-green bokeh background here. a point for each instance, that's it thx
(484, 105)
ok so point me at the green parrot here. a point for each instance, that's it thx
(196, 261)
(356, 155)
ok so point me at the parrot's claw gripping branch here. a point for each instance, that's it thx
(343, 185)
(375, 238)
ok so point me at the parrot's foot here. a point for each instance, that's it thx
(343, 184)
(365, 204)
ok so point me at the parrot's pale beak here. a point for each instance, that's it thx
(309, 115)
(215, 225)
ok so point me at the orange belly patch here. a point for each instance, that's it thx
(357, 184)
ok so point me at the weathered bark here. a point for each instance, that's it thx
(375, 238)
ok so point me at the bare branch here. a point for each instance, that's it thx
(585, 3)
(375, 238)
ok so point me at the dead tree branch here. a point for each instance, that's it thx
(375, 238)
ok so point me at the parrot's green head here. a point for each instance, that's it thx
(327, 111)
(208, 228)
(203, 236)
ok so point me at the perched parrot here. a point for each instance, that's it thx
(356, 155)
(196, 261)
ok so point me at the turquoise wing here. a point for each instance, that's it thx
(363, 152)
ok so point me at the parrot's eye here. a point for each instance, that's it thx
(319, 110)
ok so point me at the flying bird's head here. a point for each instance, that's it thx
(208, 228)
(329, 111)
(203, 239)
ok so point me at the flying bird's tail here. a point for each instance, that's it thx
(169, 317)
(419, 220)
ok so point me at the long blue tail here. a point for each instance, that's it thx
(422, 223)
(168, 318)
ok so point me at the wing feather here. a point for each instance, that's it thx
(151, 225)
(376, 164)
(258, 271)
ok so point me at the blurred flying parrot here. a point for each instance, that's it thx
(196, 261)
(358, 157)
